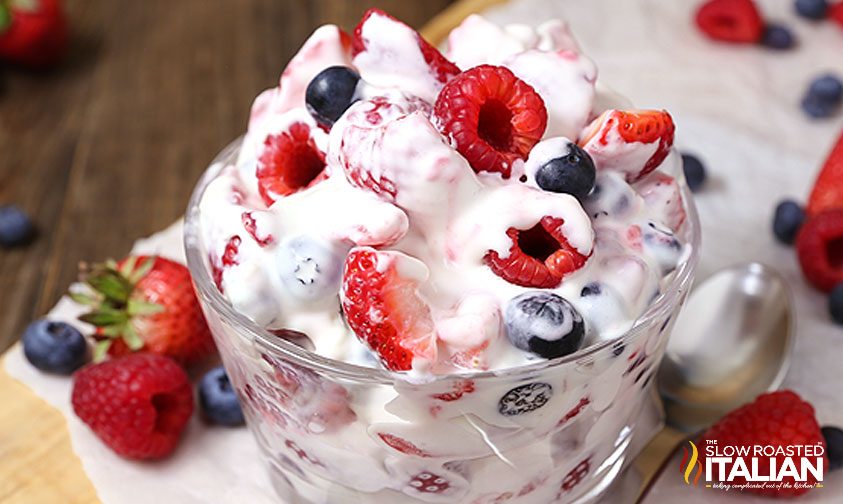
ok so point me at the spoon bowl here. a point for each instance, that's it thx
(732, 342)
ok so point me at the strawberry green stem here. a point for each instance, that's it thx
(5, 17)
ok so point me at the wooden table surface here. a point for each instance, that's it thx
(106, 149)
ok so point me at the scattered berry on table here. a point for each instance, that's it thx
(778, 419)
(145, 303)
(137, 405)
(54, 347)
(309, 269)
(836, 13)
(835, 304)
(330, 94)
(492, 117)
(218, 399)
(539, 257)
(778, 36)
(834, 446)
(572, 173)
(827, 193)
(787, 220)
(695, 172)
(525, 398)
(382, 306)
(823, 97)
(290, 161)
(545, 324)
(15, 226)
(736, 21)
(819, 247)
(814, 10)
(33, 34)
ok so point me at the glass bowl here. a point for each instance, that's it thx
(333, 432)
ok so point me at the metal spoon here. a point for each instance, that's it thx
(732, 342)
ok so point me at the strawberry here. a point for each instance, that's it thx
(828, 188)
(539, 257)
(778, 418)
(33, 33)
(382, 306)
(731, 21)
(819, 247)
(661, 193)
(402, 445)
(138, 405)
(630, 142)
(145, 303)
(290, 162)
(492, 117)
(835, 13)
(385, 62)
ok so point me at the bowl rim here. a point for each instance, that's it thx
(207, 291)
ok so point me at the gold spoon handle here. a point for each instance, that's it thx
(651, 462)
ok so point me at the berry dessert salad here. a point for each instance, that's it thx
(443, 277)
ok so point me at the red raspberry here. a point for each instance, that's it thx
(835, 12)
(138, 405)
(492, 117)
(290, 161)
(819, 246)
(779, 418)
(539, 257)
(731, 21)
(384, 309)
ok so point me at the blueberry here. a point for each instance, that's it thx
(787, 220)
(817, 109)
(695, 173)
(612, 196)
(827, 88)
(15, 226)
(55, 347)
(218, 400)
(834, 446)
(777, 36)
(835, 304)
(572, 173)
(544, 324)
(525, 399)
(812, 9)
(309, 269)
(330, 94)
(662, 245)
(591, 289)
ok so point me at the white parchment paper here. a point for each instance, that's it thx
(736, 107)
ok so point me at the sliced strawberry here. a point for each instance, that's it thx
(290, 161)
(827, 193)
(402, 445)
(383, 308)
(491, 116)
(620, 141)
(819, 247)
(539, 257)
(460, 388)
(251, 226)
(382, 49)
(661, 193)
(731, 21)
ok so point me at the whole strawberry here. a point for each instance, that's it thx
(779, 418)
(138, 405)
(145, 303)
(33, 33)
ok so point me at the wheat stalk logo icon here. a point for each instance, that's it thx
(690, 462)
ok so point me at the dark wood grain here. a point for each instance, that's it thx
(107, 148)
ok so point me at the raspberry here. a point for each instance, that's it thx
(819, 246)
(138, 405)
(290, 162)
(731, 21)
(492, 117)
(539, 257)
(779, 418)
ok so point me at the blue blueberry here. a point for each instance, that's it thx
(695, 173)
(54, 347)
(787, 220)
(572, 173)
(835, 304)
(591, 289)
(834, 447)
(826, 88)
(777, 36)
(817, 109)
(544, 324)
(218, 399)
(309, 268)
(612, 196)
(330, 93)
(662, 245)
(812, 9)
(15, 226)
